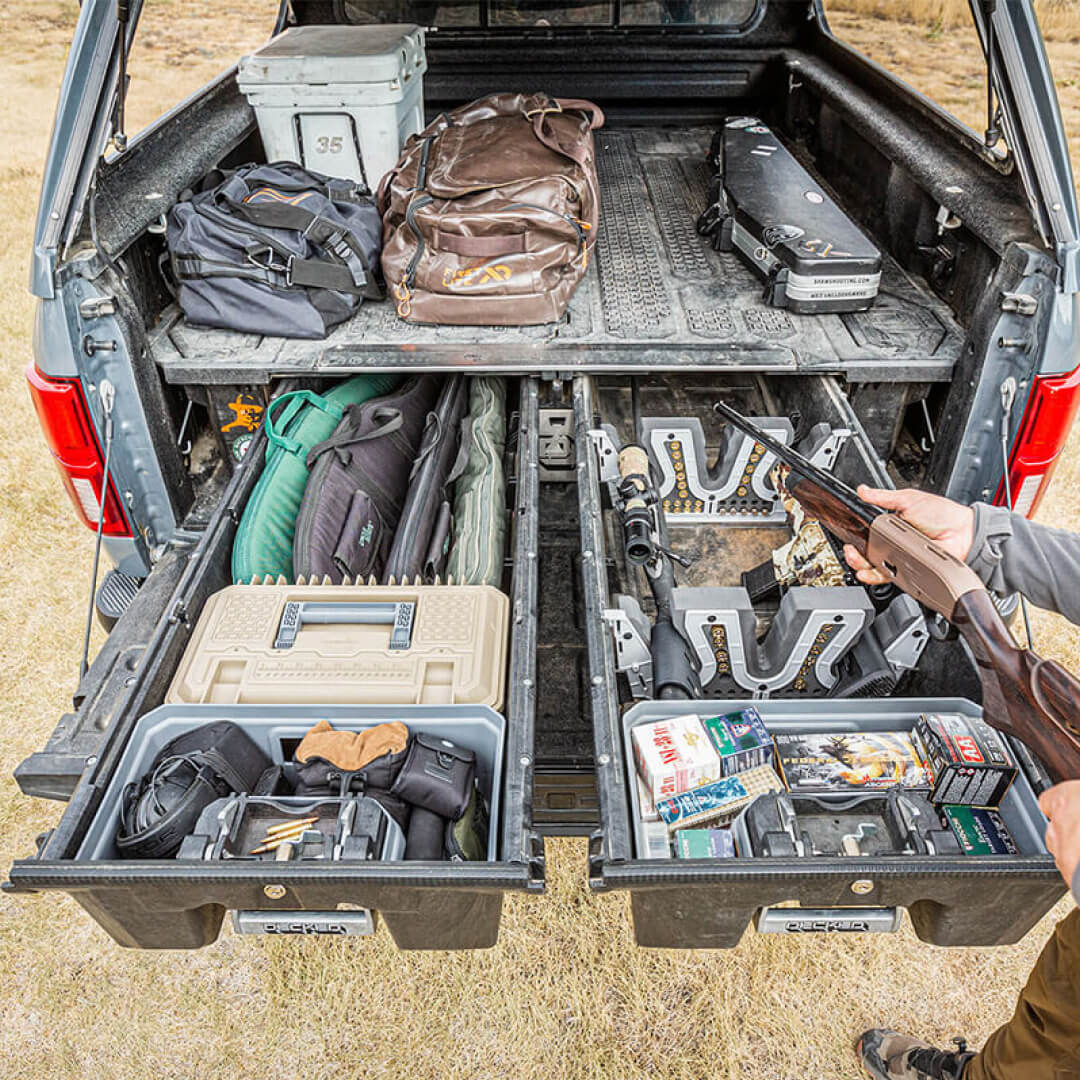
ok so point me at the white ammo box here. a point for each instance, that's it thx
(340, 100)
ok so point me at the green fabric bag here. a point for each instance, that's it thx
(295, 422)
(476, 557)
(467, 838)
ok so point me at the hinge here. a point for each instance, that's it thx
(1019, 303)
(596, 862)
(1069, 257)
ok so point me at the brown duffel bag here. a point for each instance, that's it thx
(490, 215)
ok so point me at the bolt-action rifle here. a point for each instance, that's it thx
(1035, 700)
(674, 674)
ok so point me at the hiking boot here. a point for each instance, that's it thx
(888, 1055)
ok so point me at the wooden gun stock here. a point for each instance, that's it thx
(1036, 700)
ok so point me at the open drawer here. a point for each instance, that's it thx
(180, 903)
(786, 672)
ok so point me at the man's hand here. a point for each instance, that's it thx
(1061, 804)
(947, 522)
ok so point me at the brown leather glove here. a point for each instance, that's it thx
(352, 750)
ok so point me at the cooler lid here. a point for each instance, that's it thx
(314, 55)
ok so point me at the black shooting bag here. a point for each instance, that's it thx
(317, 777)
(275, 250)
(358, 484)
(186, 775)
(422, 541)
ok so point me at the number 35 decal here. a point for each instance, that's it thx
(326, 144)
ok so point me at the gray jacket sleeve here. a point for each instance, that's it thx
(1012, 554)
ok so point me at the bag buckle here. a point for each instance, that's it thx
(289, 272)
(252, 256)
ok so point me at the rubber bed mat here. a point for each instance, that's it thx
(657, 296)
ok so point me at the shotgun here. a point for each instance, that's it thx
(1035, 700)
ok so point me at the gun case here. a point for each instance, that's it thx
(363, 644)
(767, 207)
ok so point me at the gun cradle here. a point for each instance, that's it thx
(736, 489)
(812, 631)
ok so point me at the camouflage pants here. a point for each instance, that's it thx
(1042, 1040)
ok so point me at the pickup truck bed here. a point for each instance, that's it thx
(658, 298)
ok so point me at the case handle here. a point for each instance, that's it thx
(398, 615)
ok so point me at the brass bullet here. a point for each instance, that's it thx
(288, 826)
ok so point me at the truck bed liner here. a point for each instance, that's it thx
(657, 297)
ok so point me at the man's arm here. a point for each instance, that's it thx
(1012, 554)
(1061, 804)
(1008, 552)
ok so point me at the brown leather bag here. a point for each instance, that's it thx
(490, 215)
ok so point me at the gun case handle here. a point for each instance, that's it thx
(296, 614)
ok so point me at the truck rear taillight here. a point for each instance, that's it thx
(1044, 428)
(65, 419)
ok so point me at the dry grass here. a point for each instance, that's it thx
(565, 992)
(1059, 19)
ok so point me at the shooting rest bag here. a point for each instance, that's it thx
(358, 485)
(295, 422)
(476, 556)
(276, 250)
(187, 774)
(490, 214)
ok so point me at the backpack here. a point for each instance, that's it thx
(490, 214)
(295, 422)
(358, 484)
(275, 250)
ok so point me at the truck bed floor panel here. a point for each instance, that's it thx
(657, 297)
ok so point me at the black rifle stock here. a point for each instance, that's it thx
(1035, 700)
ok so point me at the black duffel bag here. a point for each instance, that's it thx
(275, 250)
(186, 775)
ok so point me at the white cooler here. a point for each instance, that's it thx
(340, 100)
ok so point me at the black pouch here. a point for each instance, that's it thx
(426, 837)
(437, 775)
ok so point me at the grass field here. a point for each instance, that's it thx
(565, 992)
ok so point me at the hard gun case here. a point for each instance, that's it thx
(425, 905)
(767, 207)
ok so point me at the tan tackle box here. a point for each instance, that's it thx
(345, 645)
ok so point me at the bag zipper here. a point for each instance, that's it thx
(403, 290)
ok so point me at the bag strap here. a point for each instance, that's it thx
(305, 273)
(392, 420)
(335, 239)
(294, 401)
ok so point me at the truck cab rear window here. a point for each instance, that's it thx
(518, 14)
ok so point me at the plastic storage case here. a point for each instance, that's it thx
(359, 644)
(341, 100)
(277, 729)
(709, 903)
